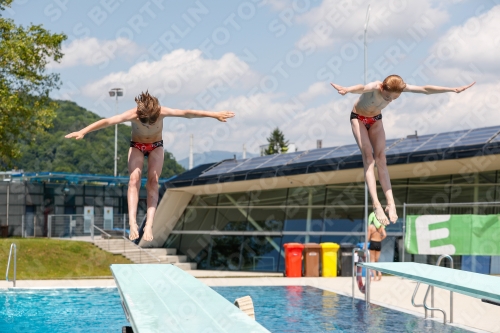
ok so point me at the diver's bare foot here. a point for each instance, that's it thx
(134, 233)
(148, 233)
(390, 209)
(379, 214)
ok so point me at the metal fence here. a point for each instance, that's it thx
(476, 208)
(78, 225)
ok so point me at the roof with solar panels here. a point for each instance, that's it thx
(412, 149)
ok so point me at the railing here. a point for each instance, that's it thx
(366, 254)
(476, 208)
(126, 242)
(141, 250)
(79, 225)
(431, 289)
(12, 246)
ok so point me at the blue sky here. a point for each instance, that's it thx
(271, 62)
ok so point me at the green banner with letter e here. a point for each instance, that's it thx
(453, 234)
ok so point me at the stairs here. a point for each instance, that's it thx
(137, 256)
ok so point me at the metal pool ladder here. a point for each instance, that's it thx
(12, 246)
(431, 289)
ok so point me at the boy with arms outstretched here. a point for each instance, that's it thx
(147, 128)
(368, 130)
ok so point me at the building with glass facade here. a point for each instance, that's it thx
(237, 214)
(27, 199)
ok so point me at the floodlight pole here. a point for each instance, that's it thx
(116, 136)
(366, 184)
(116, 92)
(365, 79)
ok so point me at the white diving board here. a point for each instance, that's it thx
(477, 285)
(164, 298)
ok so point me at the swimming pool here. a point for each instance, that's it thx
(279, 309)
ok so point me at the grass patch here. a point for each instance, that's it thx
(40, 259)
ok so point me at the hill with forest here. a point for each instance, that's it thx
(50, 151)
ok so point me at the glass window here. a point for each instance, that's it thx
(225, 253)
(488, 177)
(347, 219)
(266, 219)
(261, 253)
(304, 219)
(233, 199)
(179, 225)
(304, 196)
(197, 219)
(342, 239)
(422, 194)
(463, 188)
(435, 180)
(231, 219)
(204, 200)
(196, 248)
(347, 194)
(268, 198)
(173, 241)
(398, 193)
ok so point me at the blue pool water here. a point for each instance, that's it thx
(279, 309)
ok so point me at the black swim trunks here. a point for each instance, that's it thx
(375, 246)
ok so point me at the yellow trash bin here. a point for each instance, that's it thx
(329, 259)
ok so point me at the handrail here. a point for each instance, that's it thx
(142, 250)
(127, 240)
(441, 257)
(431, 288)
(102, 232)
(366, 254)
(8, 264)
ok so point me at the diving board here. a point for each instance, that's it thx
(164, 298)
(471, 284)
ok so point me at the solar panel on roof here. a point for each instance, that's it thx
(496, 138)
(314, 155)
(223, 168)
(344, 151)
(477, 136)
(281, 159)
(408, 144)
(254, 163)
(441, 141)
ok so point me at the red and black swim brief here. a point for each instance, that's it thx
(146, 148)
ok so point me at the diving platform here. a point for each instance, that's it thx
(485, 287)
(164, 298)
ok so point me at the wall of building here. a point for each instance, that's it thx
(29, 204)
(247, 230)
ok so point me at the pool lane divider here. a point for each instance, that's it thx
(164, 298)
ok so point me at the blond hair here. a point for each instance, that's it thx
(148, 108)
(393, 83)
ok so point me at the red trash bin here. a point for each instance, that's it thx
(293, 259)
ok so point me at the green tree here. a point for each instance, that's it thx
(25, 107)
(277, 143)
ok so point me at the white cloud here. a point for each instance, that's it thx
(280, 4)
(95, 52)
(315, 90)
(183, 73)
(474, 43)
(334, 21)
(444, 112)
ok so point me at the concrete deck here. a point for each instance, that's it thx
(393, 292)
